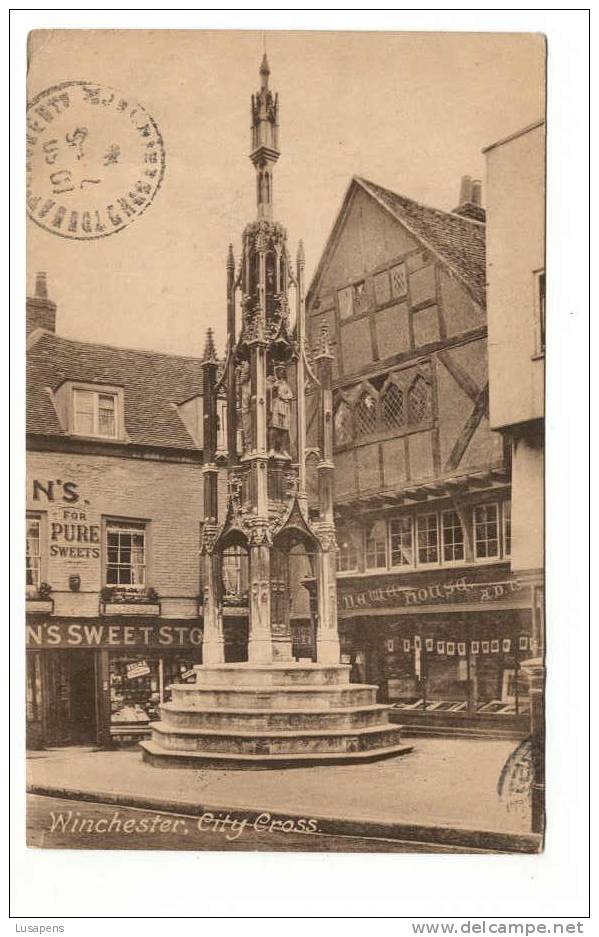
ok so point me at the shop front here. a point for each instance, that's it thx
(445, 650)
(89, 682)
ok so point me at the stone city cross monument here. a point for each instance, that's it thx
(270, 709)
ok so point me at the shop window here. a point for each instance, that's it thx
(453, 537)
(347, 551)
(428, 539)
(399, 281)
(366, 415)
(125, 554)
(343, 425)
(419, 401)
(486, 539)
(507, 528)
(401, 541)
(94, 413)
(33, 559)
(392, 408)
(376, 546)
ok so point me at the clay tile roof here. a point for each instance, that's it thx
(458, 241)
(153, 384)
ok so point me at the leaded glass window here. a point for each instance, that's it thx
(419, 401)
(366, 415)
(392, 408)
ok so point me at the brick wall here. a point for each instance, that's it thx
(83, 490)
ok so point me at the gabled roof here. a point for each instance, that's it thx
(153, 384)
(457, 242)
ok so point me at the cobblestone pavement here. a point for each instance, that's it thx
(449, 782)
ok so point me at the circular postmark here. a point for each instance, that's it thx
(95, 160)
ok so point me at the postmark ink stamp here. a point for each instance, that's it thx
(95, 160)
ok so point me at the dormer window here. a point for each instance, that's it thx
(95, 413)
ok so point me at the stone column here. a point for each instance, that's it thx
(280, 607)
(327, 638)
(328, 650)
(231, 381)
(213, 642)
(301, 380)
(260, 640)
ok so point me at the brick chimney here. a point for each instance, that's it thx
(41, 311)
(470, 199)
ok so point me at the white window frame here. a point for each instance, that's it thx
(506, 515)
(34, 586)
(393, 565)
(486, 559)
(427, 563)
(350, 569)
(385, 546)
(444, 561)
(126, 525)
(97, 392)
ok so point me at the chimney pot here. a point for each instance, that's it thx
(465, 190)
(476, 196)
(41, 311)
(41, 286)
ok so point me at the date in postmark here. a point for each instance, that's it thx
(95, 160)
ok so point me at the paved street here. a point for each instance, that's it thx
(67, 824)
(449, 782)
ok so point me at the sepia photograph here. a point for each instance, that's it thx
(285, 434)
(299, 442)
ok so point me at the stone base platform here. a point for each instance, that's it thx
(281, 715)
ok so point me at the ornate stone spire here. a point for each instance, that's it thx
(230, 258)
(210, 356)
(265, 140)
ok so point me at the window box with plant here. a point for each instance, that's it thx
(121, 600)
(38, 599)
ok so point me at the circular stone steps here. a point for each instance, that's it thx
(176, 716)
(257, 697)
(260, 716)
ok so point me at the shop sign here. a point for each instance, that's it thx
(137, 668)
(455, 591)
(82, 635)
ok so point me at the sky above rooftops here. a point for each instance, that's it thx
(411, 112)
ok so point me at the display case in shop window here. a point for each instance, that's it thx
(138, 685)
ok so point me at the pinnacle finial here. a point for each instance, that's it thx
(264, 71)
(324, 345)
(210, 356)
(301, 257)
(230, 258)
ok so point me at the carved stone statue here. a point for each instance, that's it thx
(281, 396)
(245, 401)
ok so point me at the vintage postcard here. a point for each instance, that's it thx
(285, 435)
